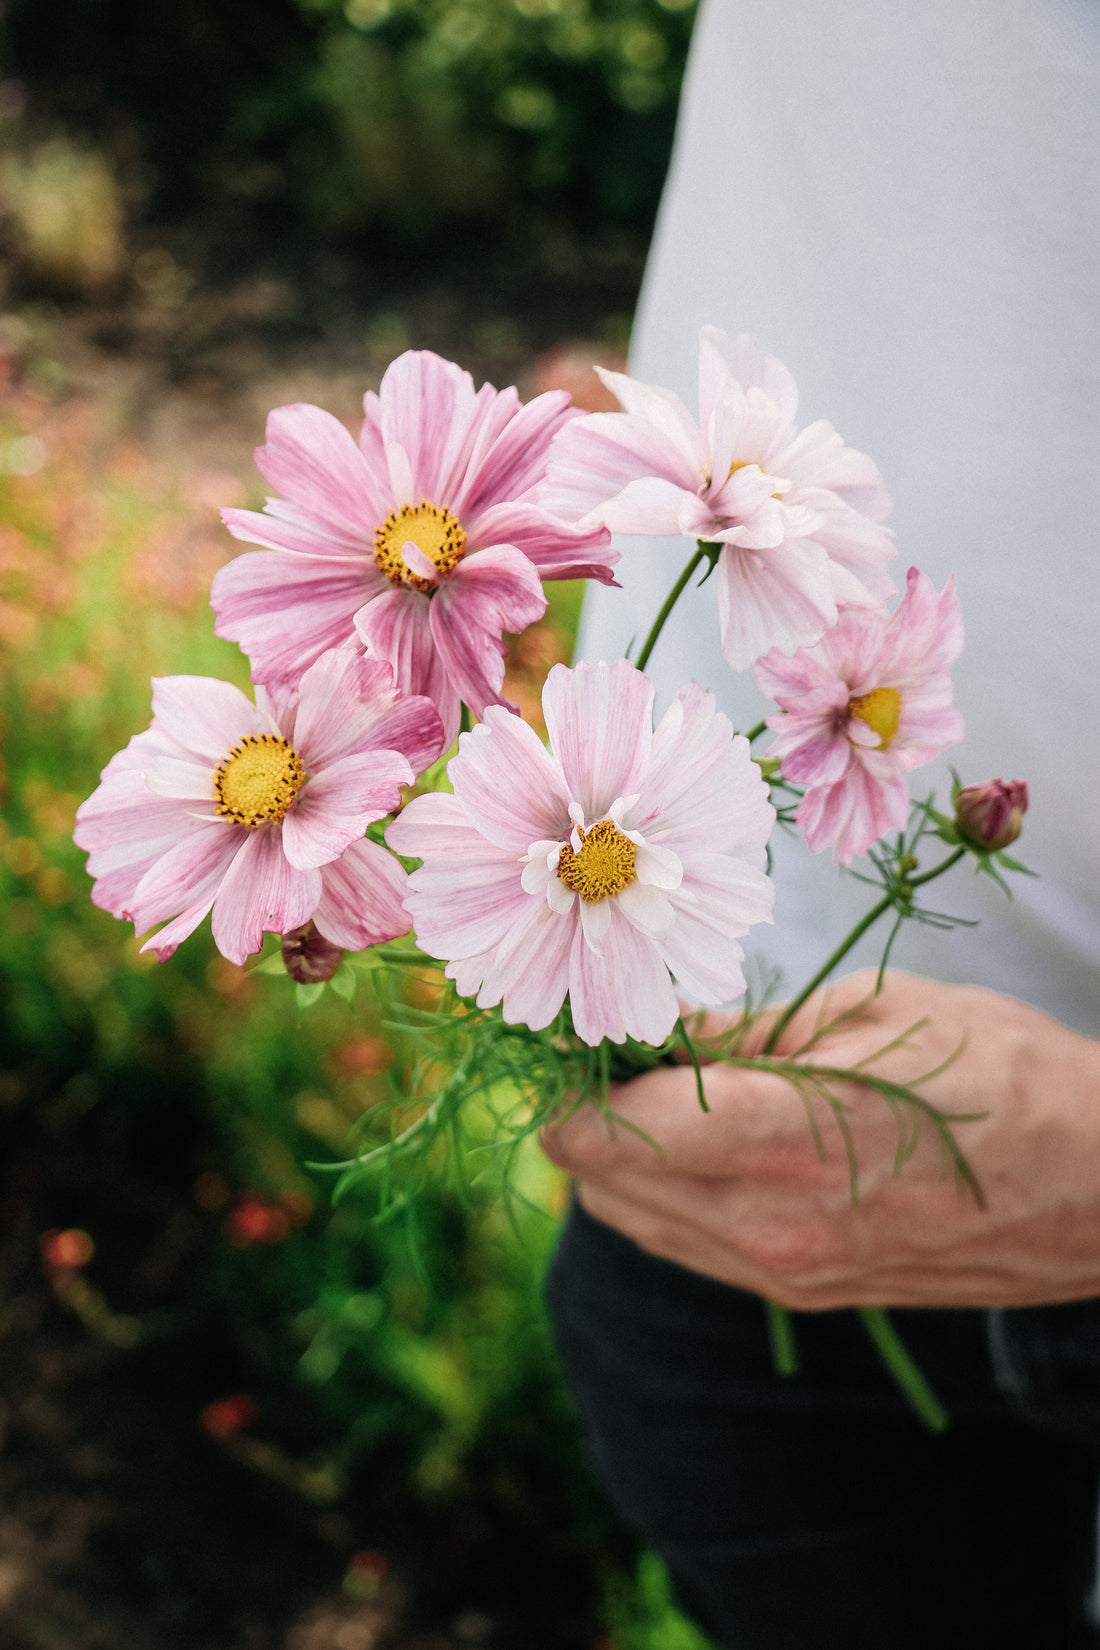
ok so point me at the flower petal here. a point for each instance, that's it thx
(625, 990)
(362, 898)
(311, 459)
(488, 593)
(336, 806)
(286, 610)
(555, 548)
(396, 626)
(508, 784)
(205, 717)
(514, 461)
(778, 598)
(262, 893)
(599, 718)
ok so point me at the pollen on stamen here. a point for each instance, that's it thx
(435, 532)
(256, 783)
(602, 866)
(881, 710)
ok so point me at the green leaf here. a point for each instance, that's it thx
(343, 982)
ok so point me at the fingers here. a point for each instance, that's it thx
(784, 1267)
(754, 1117)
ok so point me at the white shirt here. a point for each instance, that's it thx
(902, 203)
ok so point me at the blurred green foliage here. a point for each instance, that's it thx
(197, 1068)
(365, 120)
(168, 1111)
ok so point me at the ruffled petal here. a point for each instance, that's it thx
(508, 784)
(817, 457)
(488, 593)
(205, 717)
(600, 721)
(624, 990)
(595, 457)
(778, 598)
(515, 460)
(556, 549)
(261, 893)
(428, 412)
(349, 704)
(190, 871)
(362, 898)
(311, 459)
(336, 806)
(724, 360)
(286, 610)
(396, 626)
(850, 816)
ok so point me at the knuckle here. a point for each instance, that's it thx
(787, 1248)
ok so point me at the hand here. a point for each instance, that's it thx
(740, 1192)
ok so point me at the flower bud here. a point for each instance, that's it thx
(309, 957)
(992, 814)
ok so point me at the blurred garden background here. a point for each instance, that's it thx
(234, 1416)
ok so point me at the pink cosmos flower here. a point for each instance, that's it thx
(258, 810)
(869, 702)
(599, 867)
(423, 539)
(797, 513)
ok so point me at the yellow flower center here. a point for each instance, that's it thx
(259, 779)
(435, 532)
(881, 710)
(603, 865)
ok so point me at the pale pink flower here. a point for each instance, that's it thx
(599, 868)
(258, 810)
(797, 513)
(424, 539)
(869, 702)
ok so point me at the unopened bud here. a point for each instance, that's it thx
(309, 957)
(991, 815)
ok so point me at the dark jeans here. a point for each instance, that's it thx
(814, 1511)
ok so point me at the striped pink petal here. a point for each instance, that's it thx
(682, 820)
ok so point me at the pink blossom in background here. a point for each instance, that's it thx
(869, 702)
(423, 539)
(603, 867)
(258, 810)
(797, 513)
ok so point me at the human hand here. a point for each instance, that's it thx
(741, 1193)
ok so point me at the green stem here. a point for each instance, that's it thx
(846, 944)
(781, 1336)
(912, 1384)
(938, 870)
(704, 552)
(825, 970)
(754, 733)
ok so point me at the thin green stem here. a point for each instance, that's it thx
(781, 1335)
(867, 921)
(825, 970)
(912, 1384)
(702, 553)
(937, 870)
(754, 733)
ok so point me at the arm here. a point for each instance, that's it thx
(741, 1194)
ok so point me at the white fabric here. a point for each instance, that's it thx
(901, 202)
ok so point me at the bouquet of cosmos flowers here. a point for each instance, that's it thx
(577, 892)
